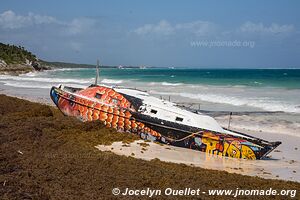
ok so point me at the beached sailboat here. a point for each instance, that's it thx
(135, 111)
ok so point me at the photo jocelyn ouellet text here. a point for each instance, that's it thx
(198, 192)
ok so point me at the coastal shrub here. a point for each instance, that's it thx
(12, 54)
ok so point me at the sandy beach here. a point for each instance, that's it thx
(283, 163)
(276, 167)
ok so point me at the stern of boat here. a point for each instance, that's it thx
(268, 149)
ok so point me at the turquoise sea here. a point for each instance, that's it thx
(254, 89)
(282, 78)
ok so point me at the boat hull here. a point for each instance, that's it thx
(118, 112)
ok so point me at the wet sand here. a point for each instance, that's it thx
(45, 155)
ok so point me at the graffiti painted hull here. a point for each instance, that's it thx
(121, 111)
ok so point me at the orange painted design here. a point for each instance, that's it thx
(116, 111)
(81, 109)
(115, 119)
(103, 116)
(113, 113)
(110, 110)
(127, 122)
(96, 115)
(127, 114)
(97, 106)
(90, 118)
(108, 125)
(133, 124)
(122, 113)
(121, 124)
(89, 112)
(104, 108)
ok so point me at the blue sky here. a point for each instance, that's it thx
(169, 33)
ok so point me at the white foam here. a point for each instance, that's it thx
(258, 83)
(170, 84)
(111, 81)
(265, 104)
(152, 83)
(32, 78)
(26, 85)
(69, 69)
(258, 102)
(30, 74)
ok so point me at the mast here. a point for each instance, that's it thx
(229, 120)
(97, 73)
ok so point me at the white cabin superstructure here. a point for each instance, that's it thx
(166, 110)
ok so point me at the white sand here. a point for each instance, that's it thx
(31, 94)
(276, 168)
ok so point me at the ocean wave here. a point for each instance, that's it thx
(69, 69)
(258, 83)
(152, 83)
(30, 74)
(265, 104)
(170, 84)
(111, 81)
(37, 85)
(261, 103)
(26, 85)
(47, 80)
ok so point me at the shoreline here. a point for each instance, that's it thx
(271, 126)
(48, 155)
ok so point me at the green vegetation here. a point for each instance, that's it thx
(71, 65)
(12, 54)
(66, 65)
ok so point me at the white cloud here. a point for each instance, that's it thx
(205, 28)
(163, 27)
(10, 20)
(79, 25)
(199, 28)
(250, 27)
